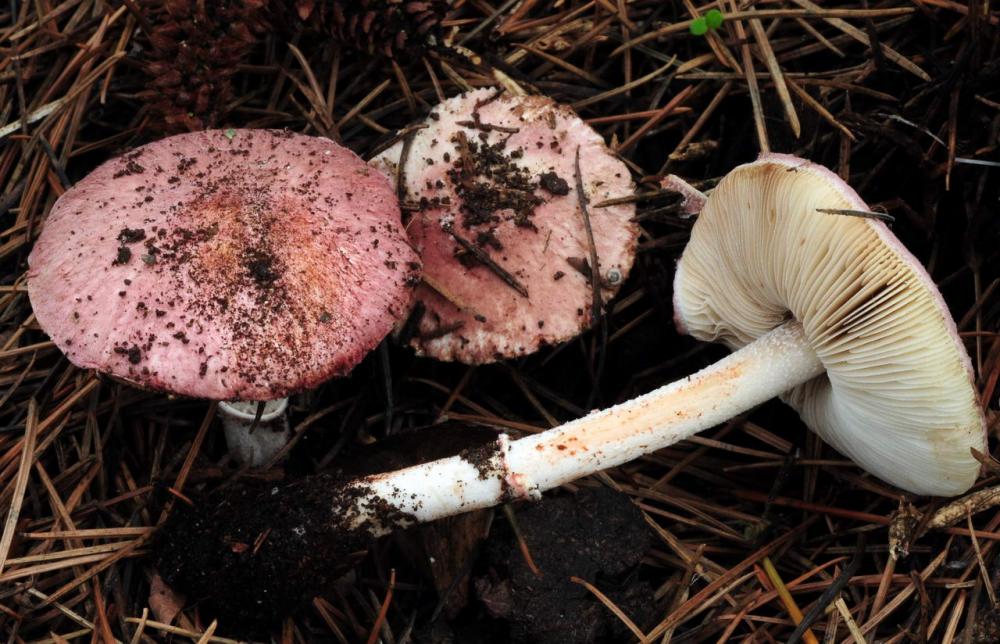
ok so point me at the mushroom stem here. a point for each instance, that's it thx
(255, 444)
(770, 366)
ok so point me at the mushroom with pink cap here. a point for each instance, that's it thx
(830, 311)
(495, 182)
(228, 265)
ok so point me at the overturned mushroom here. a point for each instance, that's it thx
(501, 191)
(830, 311)
(895, 392)
(228, 265)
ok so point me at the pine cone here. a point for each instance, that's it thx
(389, 27)
(195, 46)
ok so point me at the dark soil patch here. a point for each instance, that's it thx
(597, 535)
(255, 552)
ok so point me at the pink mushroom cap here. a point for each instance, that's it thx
(499, 171)
(244, 264)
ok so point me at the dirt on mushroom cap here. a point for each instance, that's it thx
(492, 182)
(240, 264)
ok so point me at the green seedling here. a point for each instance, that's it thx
(714, 19)
(710, 21)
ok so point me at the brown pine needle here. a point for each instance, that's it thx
(883, 585)
(21, 573)
(383, 610)
(900, 597)
(820, 37)
(522, 543)
(180, 495)
(816, 13)
(948, 637)
(752, 87)
(20, 483)
(632, 116)
(732, 573)
(660, 114)
(89, 533)
(483, 257)
(604, 599)
(819, 109)
(864, 214)
(177, 630)
(362, 104)
(611, 93)
(862, 37)
(137, 636)
(852, 626)
(559, 62)
(764, 44)
(185, 470)
(987, 582)
(583, 200)
(206, 637)
(866, 517)
(65, 554)
(786, 598)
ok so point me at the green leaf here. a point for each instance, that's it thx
(699, 27)
(230, 133)
(714, 19)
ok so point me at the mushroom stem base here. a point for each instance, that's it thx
(255, 448)
(770, 366)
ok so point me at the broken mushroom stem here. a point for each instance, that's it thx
(255, 431)
(524, 468)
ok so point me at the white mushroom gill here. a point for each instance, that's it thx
(897, 396)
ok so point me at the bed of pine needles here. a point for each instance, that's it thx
(755, 522)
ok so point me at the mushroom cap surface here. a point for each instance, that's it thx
(237, 264)
(500, 171)
(898, 394)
